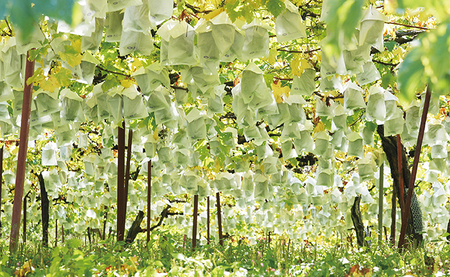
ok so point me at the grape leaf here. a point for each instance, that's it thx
(411, 75)
(63, 76)
(276, 7)
(72, 54)
(278, 92)
(25, 13)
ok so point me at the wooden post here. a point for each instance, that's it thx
(219, 218)
(380, 204)
(44, 210)
(89, 236)
(56, 233)
(207, 220)
(104, 224)
(194, 224)
(62, 233)
(121, 183)
(127, 170)
(400, 176)
(423, 121)
(25, 219)
(393, 214)
(149, 198)
(22, 156)
(1, 184)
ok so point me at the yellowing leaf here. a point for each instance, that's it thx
(212, 14)
(155, 133)
(273, 56)
(135, 65)
(63, 76)
(319, 127)
(126, 83)
(49, 84)
(278, 92)
(298, 65)
(72, 54)
(217, 165)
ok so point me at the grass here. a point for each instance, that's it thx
(168, 255)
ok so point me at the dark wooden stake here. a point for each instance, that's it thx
(62, 233)
(105, 219)
(25, 219)
(22, 156)
(1, 184)
(194, 224)
(400, 176)
(423, 121)
(121, 200)
(56, 232)
(149, 198)
(89, 235)
(127, 170)
(207, 220)
(393, 214)
(219, 218)
(380, 204)
(44, 210)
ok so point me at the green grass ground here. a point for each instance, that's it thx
(169, 255)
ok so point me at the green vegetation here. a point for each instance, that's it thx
(168, 255)
(298, 134)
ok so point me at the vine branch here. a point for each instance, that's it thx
(409, 26)
(113, 72)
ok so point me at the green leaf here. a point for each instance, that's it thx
(59, 9)
(439, 8)
(390, 45)
(63, 76)
(343, 18)
(349, 16)
(411, 75)
(230, 7)
(276, 7)
(269, 79)
(23, 17)
(3, 9)
(387, 79)
(437, 59)
(25, 13)
(326, 122)
(110, 82)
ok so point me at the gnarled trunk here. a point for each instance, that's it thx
(44, 210)
(415, 225)
(358, 223)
